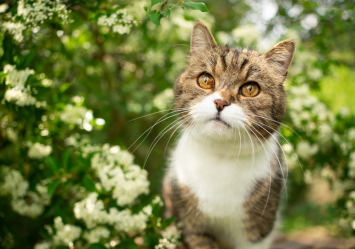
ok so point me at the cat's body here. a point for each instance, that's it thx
(225, 176)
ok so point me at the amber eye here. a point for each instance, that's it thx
(205, 81)
(250, 89)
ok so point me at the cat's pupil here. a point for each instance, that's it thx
(206, 79)
(250, 88)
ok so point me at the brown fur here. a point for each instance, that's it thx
(185, 208)
(231, 68)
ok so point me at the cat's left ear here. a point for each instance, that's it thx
(201, 39)
(281, 55)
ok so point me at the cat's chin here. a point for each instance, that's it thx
(215, 129)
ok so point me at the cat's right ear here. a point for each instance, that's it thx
(281, 55)
(201, 39)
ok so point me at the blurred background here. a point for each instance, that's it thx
(99, 73)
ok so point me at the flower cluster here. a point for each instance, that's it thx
(65, 234)
(92, 212)
(115, 169)
(306, 111)
(120, 22)
(38, 151)
(36, 13)
(76, 115)
(24, 201)
(170, 239)
(17, 91)
(31, 14)
(119, 178)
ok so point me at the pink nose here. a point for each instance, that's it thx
(220, 104)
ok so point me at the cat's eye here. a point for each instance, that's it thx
(250, 89)
(205, 81)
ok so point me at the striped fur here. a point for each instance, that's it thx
(225, 175)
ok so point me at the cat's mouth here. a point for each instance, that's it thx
(219, 120)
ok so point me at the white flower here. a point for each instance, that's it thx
(65, 234)
(20, 97)
(305, 150)
(118, 22)
(37, 12)
(32, 14)
(39, 151)
(170, 239)
(116, 172)
(17, 92)
(94, 235)
(77, 115)
(16, 29)
(14, 183)
(325, 134)
(126, 221)
(47, 82)
(17, 77)
(11, 134)
(43, 245)
(3, 7)
(92, 212)
(33, 209)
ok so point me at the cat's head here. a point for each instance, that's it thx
(224, 91)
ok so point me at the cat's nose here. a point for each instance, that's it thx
(220, 104)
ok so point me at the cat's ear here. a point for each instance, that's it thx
(281, 55)
(201, 39)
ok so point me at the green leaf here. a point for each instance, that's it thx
(65, 159)
(44, 234)
(2, 76)
(64, 87)
(52, 187)
(168, 222)
(97, 246)
(145, 8)
(53, 164)
(196, 6)
(155, 17)
(154, 2)
(166, 12)
(89, 184)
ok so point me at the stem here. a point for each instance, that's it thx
(181, 1)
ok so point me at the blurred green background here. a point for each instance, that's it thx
(122, 76)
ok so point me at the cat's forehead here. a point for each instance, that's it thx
(223, 59)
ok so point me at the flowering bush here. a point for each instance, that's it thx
(73, 73)
(75, 193)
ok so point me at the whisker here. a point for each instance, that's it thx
(283, 176)
(160, 135)
(174, 133)
(268, 196)
(151, 128)
(283, 150)
(155, 113)
(275, 122)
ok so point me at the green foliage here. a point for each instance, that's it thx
(196, 6)
(92, 69)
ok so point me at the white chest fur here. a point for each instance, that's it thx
(221, 180)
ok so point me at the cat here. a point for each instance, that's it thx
(225, 176)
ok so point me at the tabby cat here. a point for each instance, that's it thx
(225, 175)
